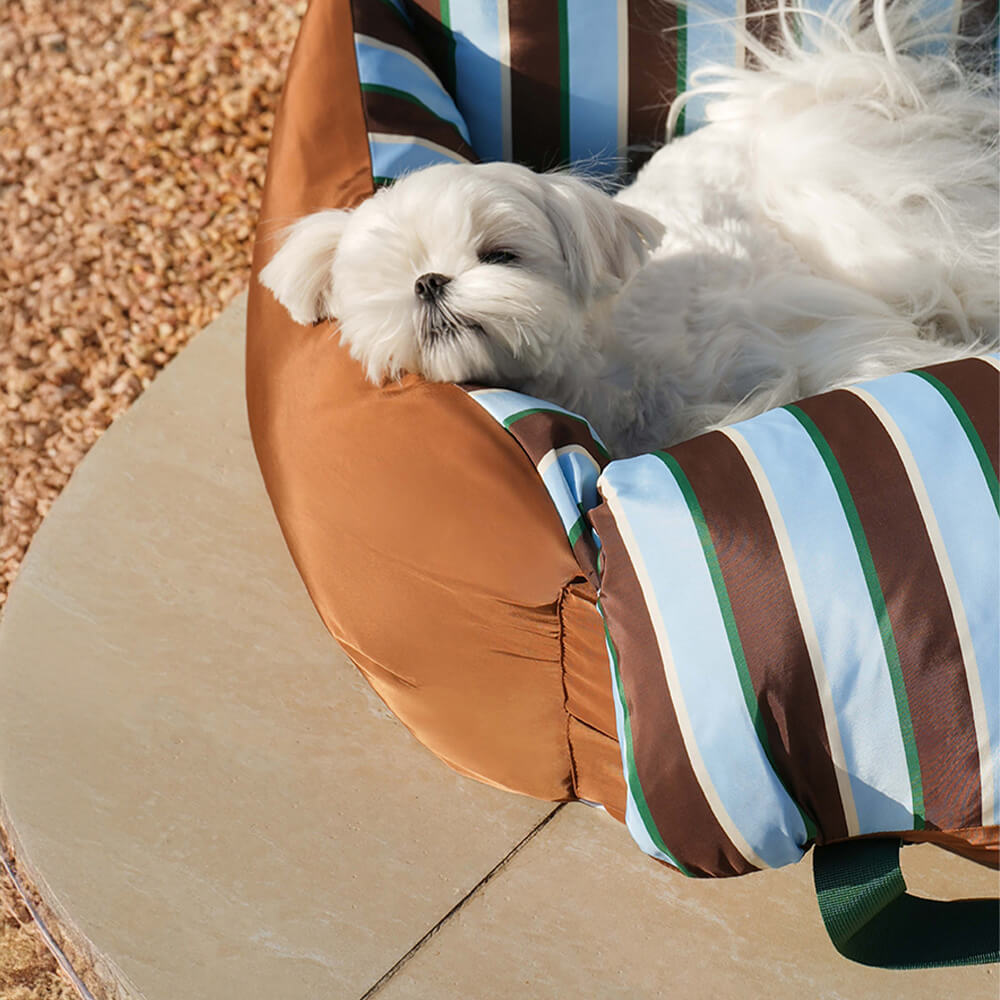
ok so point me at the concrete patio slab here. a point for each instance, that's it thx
(198, 781)
(580, 912)
(215, 805)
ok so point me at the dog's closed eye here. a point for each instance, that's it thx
(498, 257)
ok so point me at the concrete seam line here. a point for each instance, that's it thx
(530, 835)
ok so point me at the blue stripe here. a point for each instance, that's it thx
(393, 159)
(846, 627)
(710, 39)
(941, 12)
(476, 30)
(572, 483)
(811, 26)
(966, 517)
(934, 14)
(652, 503)
(390, 69)
(593, 84)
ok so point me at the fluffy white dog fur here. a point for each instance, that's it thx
(836, 220)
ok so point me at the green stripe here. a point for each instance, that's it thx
(633, 775)
(970, 432)
(729, 620)
(564, 82)
(579, 527)
(879, 607)
(521, 414)
(681, 62)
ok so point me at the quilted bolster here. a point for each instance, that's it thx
(803, 623)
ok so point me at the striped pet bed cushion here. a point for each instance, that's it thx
(802, 620)
(553, 84)
(801, 612)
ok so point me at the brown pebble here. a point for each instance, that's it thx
(133, 146)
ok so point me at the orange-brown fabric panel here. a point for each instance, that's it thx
(588, 673)
(593, 734)
(421, 530)
(597, 768)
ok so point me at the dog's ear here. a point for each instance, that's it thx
(300, 273)
(603, 241)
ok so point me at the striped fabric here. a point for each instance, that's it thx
(801, 614)
(585, 83)
(803, 625)
(412, 119)
(567, 454)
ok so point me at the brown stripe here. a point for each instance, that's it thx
(398, 116)
(435, 38)
(978, 28)
(676, 801)
(763, 22)
(976, 385)
(652, 76)
(768, 626)
(930, 654)
(379, 19)
(535, 84)
(539, 433)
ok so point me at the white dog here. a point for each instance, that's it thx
(836, 220)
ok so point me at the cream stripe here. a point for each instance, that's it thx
(787, 553)
(623, 95)
(979, 719)
(503, 41)
(551, 457)
(956, 16)
(740, 54)
(634, 551)
(416, 140)
(991, 361)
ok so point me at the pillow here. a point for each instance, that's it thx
(804, 628)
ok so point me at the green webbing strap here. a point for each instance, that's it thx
(872, 920)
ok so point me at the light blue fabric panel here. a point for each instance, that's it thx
(395, 158)
(650, 500)
(593, 83)
(841, 608)
(475, 25)
(709, 39)
(571, 481)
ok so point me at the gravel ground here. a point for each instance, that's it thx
(133, 142)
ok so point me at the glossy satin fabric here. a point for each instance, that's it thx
(426, 540)
(424, 537)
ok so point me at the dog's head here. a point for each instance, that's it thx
(463, 273)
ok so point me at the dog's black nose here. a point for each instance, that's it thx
(430, 286)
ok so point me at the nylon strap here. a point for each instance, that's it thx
(872, 919)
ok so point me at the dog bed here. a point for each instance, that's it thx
(446, 535)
